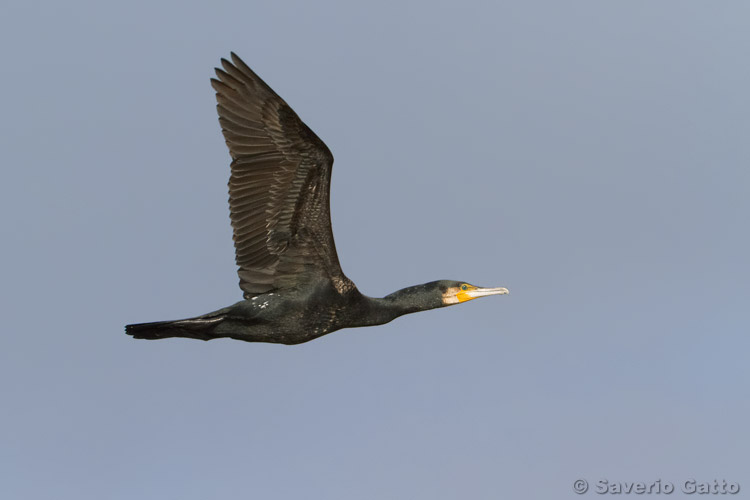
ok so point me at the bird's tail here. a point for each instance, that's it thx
(201, 328)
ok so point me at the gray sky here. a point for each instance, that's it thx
(590, 156)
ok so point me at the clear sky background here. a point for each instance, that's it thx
(591, 156)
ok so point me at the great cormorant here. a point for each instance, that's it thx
(294, 288)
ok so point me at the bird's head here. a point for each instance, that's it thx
(437, 294)
(456, 292)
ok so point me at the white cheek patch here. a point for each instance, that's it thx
(449, 297)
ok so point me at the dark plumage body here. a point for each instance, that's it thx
(294, 288)
(297, 316)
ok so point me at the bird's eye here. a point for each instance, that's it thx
(464, 286)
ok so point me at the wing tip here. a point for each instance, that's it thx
(236, 59)
(217, 85)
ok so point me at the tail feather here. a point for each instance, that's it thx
(194, 328)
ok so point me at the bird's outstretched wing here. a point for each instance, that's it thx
(279, 187)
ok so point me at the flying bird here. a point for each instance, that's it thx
(293, 287)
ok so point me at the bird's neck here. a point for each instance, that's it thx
(406, 301)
